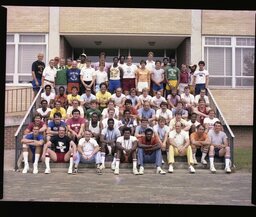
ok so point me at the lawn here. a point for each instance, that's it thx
(243, 158)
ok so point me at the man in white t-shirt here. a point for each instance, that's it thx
(200, 78)
(49, 75)
(126, 146)
(88, 150)
(87, 77)
(118, 97)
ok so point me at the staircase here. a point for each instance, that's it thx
(181, 162)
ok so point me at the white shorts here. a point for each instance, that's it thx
(142, 85)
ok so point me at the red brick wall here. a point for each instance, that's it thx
(9, 139)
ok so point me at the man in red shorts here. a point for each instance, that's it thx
(59, 149)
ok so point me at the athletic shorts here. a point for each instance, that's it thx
(172, 83)
(60, 157)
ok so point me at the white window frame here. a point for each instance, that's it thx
(16, 44)
(233, 46)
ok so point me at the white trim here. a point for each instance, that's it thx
(18, 85)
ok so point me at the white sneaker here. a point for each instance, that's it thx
(141, 170)
(170, 170)
(116, 172)
(135, 171)
(162, 161)
(35, 168)
(113, 166)
(191, 169)
(70, 170)
(195, 161)
(203, 161)
(26, 169)
(159, 170)
(47, 171)
(212, 169)
(228, 170)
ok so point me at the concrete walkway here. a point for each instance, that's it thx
(177, 188)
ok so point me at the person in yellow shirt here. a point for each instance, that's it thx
(73, 95)
(58, 108)
(103, 96)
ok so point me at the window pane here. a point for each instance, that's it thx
(217, 41)
(216, 61)
(10, 38)
(245, 82)
(245, 41)
(27, 55)
(9, 79)
(248, 62)
(32, 38)
(220, 81)
(228, 61)
(10, 58)
(238, 61)
(25, 79)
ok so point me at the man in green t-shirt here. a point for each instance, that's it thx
(61, 76)
(172, 74)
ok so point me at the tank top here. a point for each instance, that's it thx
(94, 129)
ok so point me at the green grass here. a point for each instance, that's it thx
(243, 158)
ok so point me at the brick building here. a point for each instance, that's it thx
(225, 40)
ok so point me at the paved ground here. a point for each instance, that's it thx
(177, 188)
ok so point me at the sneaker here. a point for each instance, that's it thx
(170, 170)
(113, 166)
(195, 161)
(141, 170)
(204, 162)
(26, 169)
(228, 170)
(135, 171)
(75, 170)
(116, 172)
(99, 171)
(35, 168)
(191, 169)
(47, 171)
(102, 166)
(160, 171)
(70, 171)
(162, 162)
(212, 169)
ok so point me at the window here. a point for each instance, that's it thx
(21, 52)
(219, 60)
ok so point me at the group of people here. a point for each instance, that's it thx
(136, 114)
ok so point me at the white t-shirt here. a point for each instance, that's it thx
(157, 101)
(179, 138)
(157, 74)
(210, 122)
(129, 71)
(49, 73)
(43, 113)
(101, 76)
(104, 122)
(48, 98)
(161, 131)
(118, 100)
(104, 113)
(167, 114)
(188, 99)
(150, 65)
(127, 144)
(87, 73)
(142, 98)
(200, 76)
(88, 146)
(206, 98)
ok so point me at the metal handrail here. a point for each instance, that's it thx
(225, 124)
(19, 132)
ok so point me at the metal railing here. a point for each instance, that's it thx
(24, 123)
(18, 100)
(227, 129)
